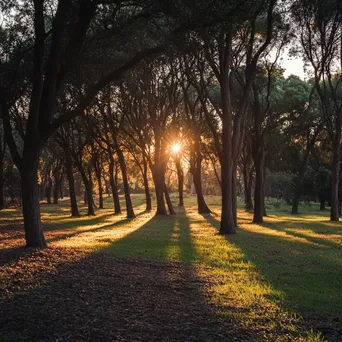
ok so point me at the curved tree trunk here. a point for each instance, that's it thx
(168, 201)
(129, 205)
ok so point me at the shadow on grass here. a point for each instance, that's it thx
(92, 230)
(306, 269)
(104, 298)
(167, 238)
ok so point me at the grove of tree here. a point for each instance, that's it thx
(114, 97)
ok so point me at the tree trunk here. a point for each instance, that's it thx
(34, 234)
(196, 170)
(227, 215)
(159, 182)
(89, 193)
(48, 190)
(334, 215)
(55, 192)
(197, 178)
(114, 188)
(259, 186)
(180, 176)
(295, 202)
(71, 182)
(99, 184)
(322, 202)
(228, 153)
(264, 198)
(2, 182)
(147, 189)
(61, 194)
(168, 201)
(234, 198)
(129, 206)
(248, 183)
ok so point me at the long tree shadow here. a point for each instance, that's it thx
(166, 238)
(129, 296)
(318, 235)
(306, 269)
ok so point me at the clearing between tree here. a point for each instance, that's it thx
(153, 278)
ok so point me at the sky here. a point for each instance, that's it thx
(293, 66)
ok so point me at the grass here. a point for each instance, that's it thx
(265, 277)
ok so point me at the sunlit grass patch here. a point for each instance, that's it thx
(263, 278)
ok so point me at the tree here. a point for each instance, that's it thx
(320, 25)
(225, 50)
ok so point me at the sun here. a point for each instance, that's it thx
(176, 148)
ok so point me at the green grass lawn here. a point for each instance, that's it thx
(266, 277)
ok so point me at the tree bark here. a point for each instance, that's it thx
(295, 201)
(197, 179)
(89, 194)
(196, 170)
(34, 234)
(146, 187)
(72, 192)
(99, 184)
(88, 184)
(334, 215)
(2, 183)
(159, 182)
(113, 185)
(322, 202)
(48, 190)
(129, 206)
(55, 193)
(168, 201)
(234, 198)
(227, 215)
